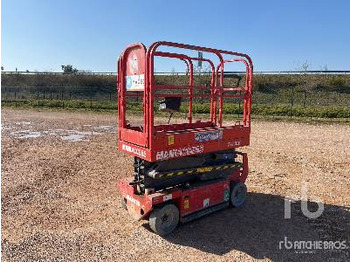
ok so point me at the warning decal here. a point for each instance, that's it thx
(135, 82)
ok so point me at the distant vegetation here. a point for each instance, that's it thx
(69, 70)
(325, 96)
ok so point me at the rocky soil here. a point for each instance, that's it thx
(59, 199)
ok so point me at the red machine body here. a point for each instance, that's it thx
(153, 142)
(190, 200)
(182, 170)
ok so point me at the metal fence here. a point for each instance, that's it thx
(276, 72)
(333, 94)
(71, 98)
(290, 97)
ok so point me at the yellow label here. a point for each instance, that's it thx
(171, 140)
(186, 204)
(132, 208)
(204, 169)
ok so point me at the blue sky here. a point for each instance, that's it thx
(279, 35)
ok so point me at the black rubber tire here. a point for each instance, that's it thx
(238, 195)
(164, 220)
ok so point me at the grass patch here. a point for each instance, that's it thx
(228, 109)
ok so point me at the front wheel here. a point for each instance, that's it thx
(238, 194)
(163, 220)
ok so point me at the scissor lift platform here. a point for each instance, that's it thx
(182, 170)
(149, 141)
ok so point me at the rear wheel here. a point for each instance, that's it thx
(164, 220)
(238, 194)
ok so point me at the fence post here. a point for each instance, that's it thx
(304, 98)
(291, 100)
(15, 98)
(90, 98)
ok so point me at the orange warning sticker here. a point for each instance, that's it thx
(171, 140)
(186, 204)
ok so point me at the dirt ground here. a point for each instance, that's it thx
(59, 199)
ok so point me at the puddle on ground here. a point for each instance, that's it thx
(5, 128)
(73, 138)
(109, 128)
(23, 134)
(70, 135)
(75, 135)
(23, 123)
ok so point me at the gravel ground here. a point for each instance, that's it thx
(59, 199)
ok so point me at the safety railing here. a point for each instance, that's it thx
(217, 91)
(217, 88)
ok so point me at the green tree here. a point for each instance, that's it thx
(69, 70)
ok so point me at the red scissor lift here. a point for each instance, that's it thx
(185, 170)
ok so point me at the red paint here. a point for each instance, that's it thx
(199, 197)
(153, 138)
(162, 142)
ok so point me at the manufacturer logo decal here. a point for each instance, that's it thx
(136, 151)
(133, 200)
(178, 152)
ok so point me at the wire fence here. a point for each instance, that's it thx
(256, 72)
(72, 98)
(285, 94)
(286, 101)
